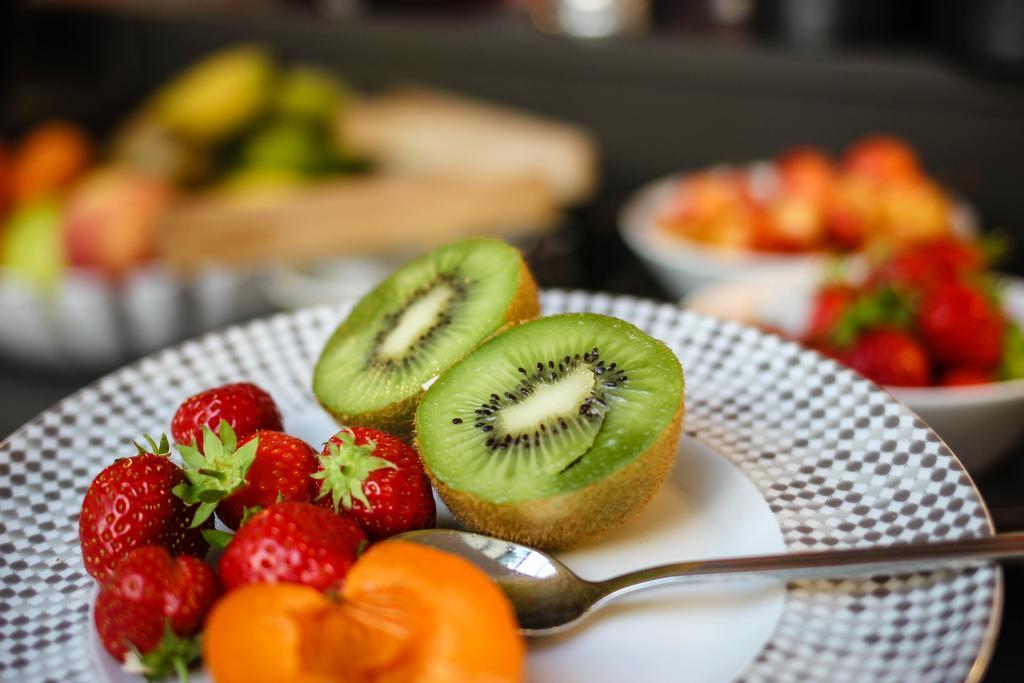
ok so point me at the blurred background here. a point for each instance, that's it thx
(817, 167)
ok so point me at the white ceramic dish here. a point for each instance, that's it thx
(683, 265)
(978, 422)
(88, 323)
(783, 449)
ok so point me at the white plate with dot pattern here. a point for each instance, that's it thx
(783, 449)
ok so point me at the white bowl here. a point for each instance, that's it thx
(683, 265)
(978, 422)
(88, 323)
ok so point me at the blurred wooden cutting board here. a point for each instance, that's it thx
(448, 167)
(359, 215)
(422, 132)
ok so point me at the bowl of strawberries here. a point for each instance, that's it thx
(928, 322)
(793, 212)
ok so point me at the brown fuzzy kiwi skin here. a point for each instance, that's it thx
(569, 519)
(397, 418)
(525, 305)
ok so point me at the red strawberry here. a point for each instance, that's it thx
(267, 467)
(131, 504)
(830, 304)
(957, 257)
(924, 266)
(244, 406)
(150, 604)
(292, 543)
(378, 480)
(961, 326)
(962, 377)
(888, 356)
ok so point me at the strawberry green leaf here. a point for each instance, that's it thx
(245, 455)
(1012, 365)
(173, 655)
(210, 495)
(250, 511)
(228, 438)
(994, 247)
(213, 447)
(218, 471)
(885, 306)
(991, 288)
(192, 457)
(162, 448)
(217, 539)
(344, 469)
(203, 513)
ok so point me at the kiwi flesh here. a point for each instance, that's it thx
(554, 431)
(421, 320)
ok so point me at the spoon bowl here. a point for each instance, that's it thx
(548, 597)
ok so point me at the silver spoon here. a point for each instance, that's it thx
(548, 597)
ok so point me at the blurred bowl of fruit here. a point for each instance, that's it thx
(929, 323)
(85, 278)
(80, 284)
(791, 213)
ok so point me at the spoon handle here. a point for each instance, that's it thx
(902, 557)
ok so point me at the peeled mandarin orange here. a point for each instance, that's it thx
(467, 630)
(407, 614)
(255, 634)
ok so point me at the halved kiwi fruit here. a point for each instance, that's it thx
(426, 316)
(554, 431)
